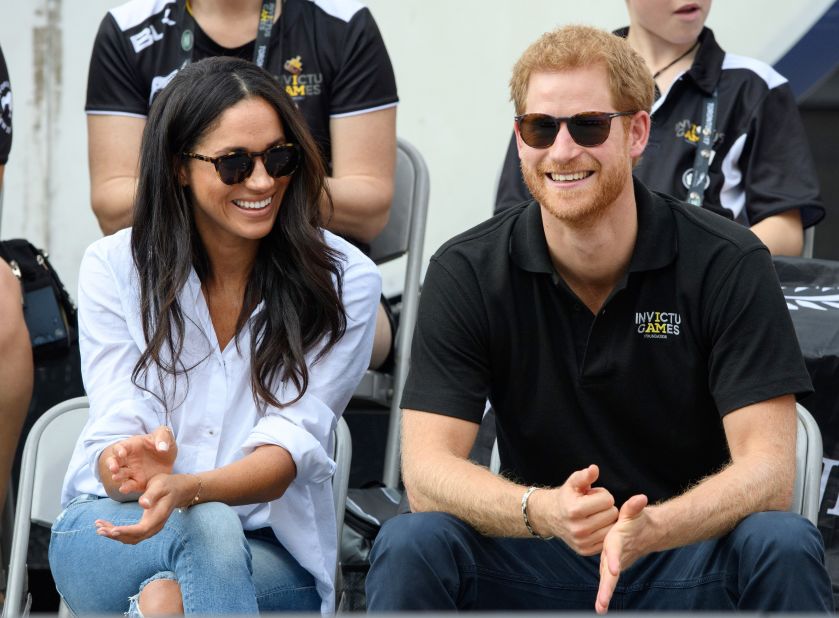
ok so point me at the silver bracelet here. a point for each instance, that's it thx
(527, 525)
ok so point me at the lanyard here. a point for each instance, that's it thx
(704, 151)
(263, 33)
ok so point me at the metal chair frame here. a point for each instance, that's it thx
(404, 234)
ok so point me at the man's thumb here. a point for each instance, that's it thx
(582, 479)
(632, 507)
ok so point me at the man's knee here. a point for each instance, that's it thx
(427, 537)
(780, 536)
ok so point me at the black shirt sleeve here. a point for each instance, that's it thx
(449, 357)
(754, 353)
(778, 169)
(365, 77)
(113, 85)
(5, 112)
(511, 187)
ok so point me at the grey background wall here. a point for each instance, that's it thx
(452, 62)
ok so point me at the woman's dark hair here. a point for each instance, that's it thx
(296, 274)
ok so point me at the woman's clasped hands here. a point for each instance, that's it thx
(140, 467)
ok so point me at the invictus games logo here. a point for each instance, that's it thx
(658, 324)
(299, 84)
(5, 107)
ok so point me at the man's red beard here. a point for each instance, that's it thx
(582, 205)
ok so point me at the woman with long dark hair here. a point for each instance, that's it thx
(221, 338)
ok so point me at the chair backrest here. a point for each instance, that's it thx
(341, 478)
(405, 232)
(46, 455)
(809, 242)
(808, 465)
(410, 192)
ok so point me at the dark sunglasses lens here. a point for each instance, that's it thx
(281, 160)
(589, 129)
(235, 168)
(538, 130)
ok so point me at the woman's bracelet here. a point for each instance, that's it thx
(527, 525)
(197, 496)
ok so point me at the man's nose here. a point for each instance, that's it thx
(564, 146)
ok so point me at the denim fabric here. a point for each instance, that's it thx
(218, 567)
(434, 561)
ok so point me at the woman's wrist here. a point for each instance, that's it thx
(192, 495)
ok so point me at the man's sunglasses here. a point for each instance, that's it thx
(586, 129)
(236, 167)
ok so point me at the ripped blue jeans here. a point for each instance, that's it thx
(219, 567)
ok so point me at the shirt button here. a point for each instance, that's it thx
(212, 432)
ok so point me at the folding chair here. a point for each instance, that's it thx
(46, 456)
(404, 233)
(808, 465)
(809, 242)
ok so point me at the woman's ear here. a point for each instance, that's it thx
(182, 176)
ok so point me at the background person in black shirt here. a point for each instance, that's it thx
(329, 57)
(762, 173)
(642, 364)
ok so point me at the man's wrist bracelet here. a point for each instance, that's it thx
(524, 516)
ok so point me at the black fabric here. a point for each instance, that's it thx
(330, 66)
(697, 328)
(760, 137)
(5, 112)
(811, 289)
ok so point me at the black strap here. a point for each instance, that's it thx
(263, 33)
(704, 151)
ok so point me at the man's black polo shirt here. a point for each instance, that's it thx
(697, 328)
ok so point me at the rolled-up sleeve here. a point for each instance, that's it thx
(304, 428)
(109, 352)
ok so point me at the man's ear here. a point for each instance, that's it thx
(519, 142)
(639, 133)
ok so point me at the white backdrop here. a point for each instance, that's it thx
(452, 62)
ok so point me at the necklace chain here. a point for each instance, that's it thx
(664, 68)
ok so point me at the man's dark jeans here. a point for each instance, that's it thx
(433, 561)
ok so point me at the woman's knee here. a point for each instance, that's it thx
(214, 528)
(161, 597)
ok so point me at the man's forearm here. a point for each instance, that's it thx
(719, 502)
(488, 502)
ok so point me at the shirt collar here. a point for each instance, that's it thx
(707, 64)
(655, 246)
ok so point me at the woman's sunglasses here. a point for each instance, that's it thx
(236, 167)
(586, 129)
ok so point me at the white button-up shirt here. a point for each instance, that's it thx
(212, 410)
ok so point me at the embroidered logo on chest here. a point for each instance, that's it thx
(658, 324)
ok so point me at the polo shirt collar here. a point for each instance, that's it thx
(655, 246)
(528, 247)
(707, 64)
